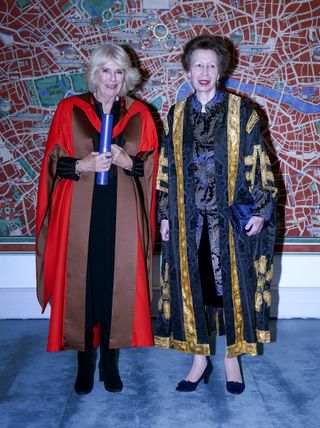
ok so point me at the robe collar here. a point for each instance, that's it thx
(210, 104)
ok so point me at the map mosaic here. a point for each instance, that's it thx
(44, 45)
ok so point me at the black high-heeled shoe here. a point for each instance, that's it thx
(188, 386)
(235, 387)
(108, 370)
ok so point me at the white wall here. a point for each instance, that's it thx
(295, 291)
(296, 286)
(17, 286)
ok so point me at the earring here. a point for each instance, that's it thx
(117, 98)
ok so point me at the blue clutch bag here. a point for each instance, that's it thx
(239, 215)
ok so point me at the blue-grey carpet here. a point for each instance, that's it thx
(282, 385)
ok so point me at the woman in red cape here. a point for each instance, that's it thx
(95, 242)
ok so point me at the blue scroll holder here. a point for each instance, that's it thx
(105, 145)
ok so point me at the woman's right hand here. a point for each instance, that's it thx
(164, 230)
(94, 162)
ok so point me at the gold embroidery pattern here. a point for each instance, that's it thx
(237, 311)
(162, 176)
(166, 126)
(164, 300)
(253, 119)
(233, 135)
(180, 346)
(267, 177)
(162, 342)
(240, 348)
(263, 336)
(263, 280)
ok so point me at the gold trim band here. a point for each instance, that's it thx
(240, 348)
(180, 346)
(233, 135)
(263, 336)
(189, 321)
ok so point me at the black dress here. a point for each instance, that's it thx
(100, 267)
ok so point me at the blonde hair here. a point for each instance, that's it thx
(101, 56)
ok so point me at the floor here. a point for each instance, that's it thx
(282, 385)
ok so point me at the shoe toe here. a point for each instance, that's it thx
(186, 386)
(235, 387)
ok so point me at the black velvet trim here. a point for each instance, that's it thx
(66, 168)
(137, 168)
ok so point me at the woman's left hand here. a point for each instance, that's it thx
(120, 158)
(254, 225)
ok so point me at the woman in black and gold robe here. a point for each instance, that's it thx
(217, 213)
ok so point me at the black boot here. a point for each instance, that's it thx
(86, 366)
(108, 369)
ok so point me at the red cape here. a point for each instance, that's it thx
(59, 203)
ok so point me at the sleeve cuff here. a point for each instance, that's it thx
(66, 168)
(137, 167)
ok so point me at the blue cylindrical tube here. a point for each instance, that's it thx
(105, 145)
